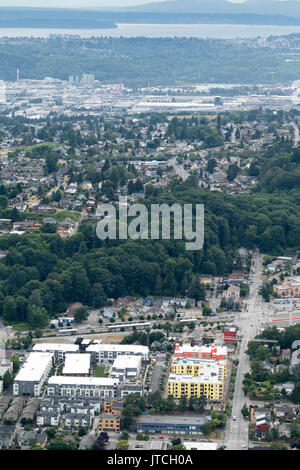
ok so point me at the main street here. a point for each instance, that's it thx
(236, 434)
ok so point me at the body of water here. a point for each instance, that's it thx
(221, 31)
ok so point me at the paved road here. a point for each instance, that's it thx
(284, 319)
(82, 217)
(236, 434)
(233, 138)
(179, 169)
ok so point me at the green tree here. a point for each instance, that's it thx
(81, 314)
(7, 380)
(16, 363)
(122, 445)
(37, 317)
(245, 411)
(10, 310)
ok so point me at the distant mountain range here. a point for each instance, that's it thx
(290, 8)
(53, 18)
(252, 12)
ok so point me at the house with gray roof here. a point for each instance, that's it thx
(284, 430)
(295, 360)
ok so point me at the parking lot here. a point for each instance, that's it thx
(157, 372)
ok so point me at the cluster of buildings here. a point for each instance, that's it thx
(60, 377)
(278, 418)
(278, 265)
(125, 363)
(38, 98)
(30, 173)
(72, 397)
(289, 288)
(166, 307)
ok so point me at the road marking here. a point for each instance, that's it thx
(285, 319)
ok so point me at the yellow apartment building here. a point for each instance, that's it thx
(198, 367)
(109, 422)
(188, 386)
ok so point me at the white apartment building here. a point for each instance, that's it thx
(58, 349)
(107, 353)
(101, 387)
(33, 374)
(77, 365)
(126, 368)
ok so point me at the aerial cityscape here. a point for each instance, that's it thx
(118, 332)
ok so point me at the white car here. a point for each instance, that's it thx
(234, 418)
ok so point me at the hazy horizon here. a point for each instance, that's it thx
(74, 3)
(87, 3)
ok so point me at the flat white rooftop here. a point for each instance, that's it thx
(218, 350)
(200, 445)
(181, 361)
(34, 367)
(55, 347)
(95, 381)
(77, 364)
(135, 349)
(127, 362)
(131, 325)
(209, 374)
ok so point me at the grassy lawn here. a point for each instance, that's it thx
(20, 326)
(34, 216)
(29, 148)
(99, 371)
(60, 216)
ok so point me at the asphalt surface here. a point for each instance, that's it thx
(236, 434)
(156, 374)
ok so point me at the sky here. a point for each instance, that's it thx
(73, 3)
(80, 3)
